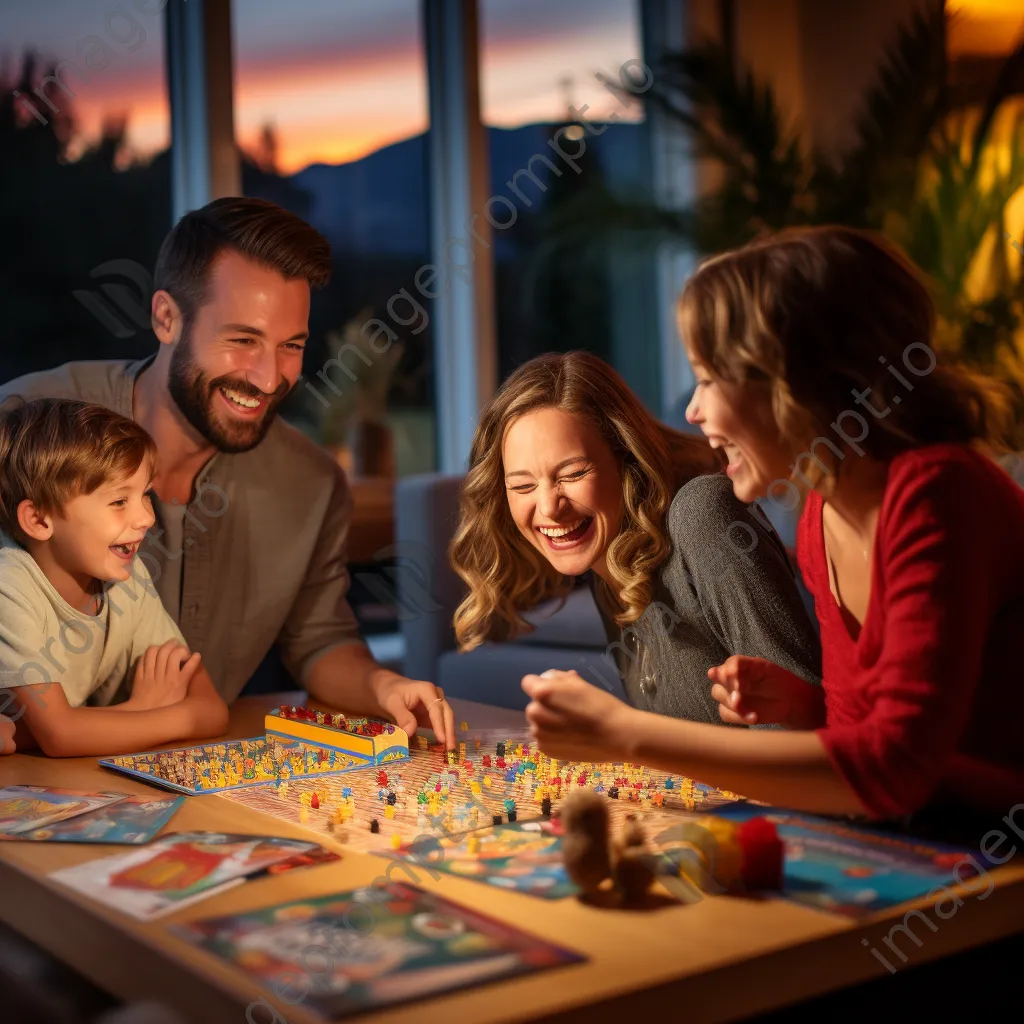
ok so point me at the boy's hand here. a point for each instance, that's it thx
(7, 727)
(162, 676)
(753, 691)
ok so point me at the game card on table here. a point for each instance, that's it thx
(23, 808)
(369, 948)
(176, 870)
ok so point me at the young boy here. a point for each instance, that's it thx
(77, 608)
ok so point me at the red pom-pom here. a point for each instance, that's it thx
(763, 854)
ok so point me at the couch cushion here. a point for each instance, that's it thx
(578, 624)
(492, 673)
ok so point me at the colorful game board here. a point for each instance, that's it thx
(299, 743)
(432, 795)
(520, 856)
(363, 950)
(851, 870)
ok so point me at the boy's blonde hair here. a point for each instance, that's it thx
(53, 450)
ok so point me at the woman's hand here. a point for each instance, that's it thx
(574, 721)
(7, 727)
(753, 691)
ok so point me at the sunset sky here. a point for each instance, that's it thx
(336, 78)
(339, 78)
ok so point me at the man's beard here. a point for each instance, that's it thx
(194, 393)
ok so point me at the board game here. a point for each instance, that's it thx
(299, 743)
(491, 778)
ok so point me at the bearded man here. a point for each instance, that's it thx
(249, 549)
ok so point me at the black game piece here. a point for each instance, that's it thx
(392, 799)
(545, 807)
(375, 826)
(499, 750)
(496, 819)
(512, 815)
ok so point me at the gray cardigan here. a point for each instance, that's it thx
(726, 588)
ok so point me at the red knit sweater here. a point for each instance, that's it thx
(928, 702)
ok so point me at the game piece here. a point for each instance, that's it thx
(396, 842)
(585, 844)
(375, 826)
(545, 807)
(762, 854)
(632, 871)
(496, 819)
(314, 801)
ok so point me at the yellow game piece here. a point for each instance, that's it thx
(303, 814)
(473, 845)
(396, 842)
(389, 811)
(464, 726)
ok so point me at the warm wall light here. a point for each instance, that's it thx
(984, 27)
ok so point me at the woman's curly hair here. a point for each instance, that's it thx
(505, 574)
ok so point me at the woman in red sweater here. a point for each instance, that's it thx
(816, 374)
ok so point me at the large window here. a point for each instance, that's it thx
(551, 97)
(331, 116)
(84, 179)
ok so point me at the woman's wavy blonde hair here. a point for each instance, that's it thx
(820, 315)
(505, 574)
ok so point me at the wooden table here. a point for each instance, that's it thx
(719, 959)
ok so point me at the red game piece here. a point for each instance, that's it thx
(314, 802)
(763, 854)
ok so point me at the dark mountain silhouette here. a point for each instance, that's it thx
(379, 204)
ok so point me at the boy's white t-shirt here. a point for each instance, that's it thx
(43, 639)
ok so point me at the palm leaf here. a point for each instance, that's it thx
(901, 109)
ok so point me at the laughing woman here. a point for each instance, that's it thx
(569, 474)
(816, 373)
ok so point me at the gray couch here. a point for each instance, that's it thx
(570, 637)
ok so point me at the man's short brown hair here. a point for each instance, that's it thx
(52, 450)
(254, 228)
